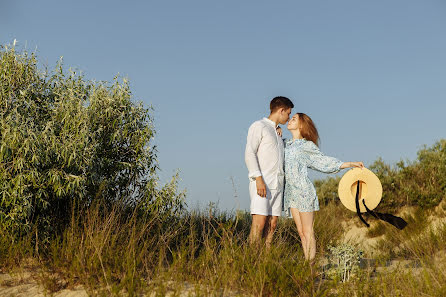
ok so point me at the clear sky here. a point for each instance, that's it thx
(371, 74)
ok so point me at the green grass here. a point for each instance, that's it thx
(114, 252)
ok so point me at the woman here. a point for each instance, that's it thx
(300, 197)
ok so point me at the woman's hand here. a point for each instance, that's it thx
(279, 131)
(357, 164)
(352, 164)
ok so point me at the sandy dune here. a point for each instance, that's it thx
(23, 284)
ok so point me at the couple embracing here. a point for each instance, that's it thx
(278, 173)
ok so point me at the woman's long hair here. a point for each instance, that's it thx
(308, 129)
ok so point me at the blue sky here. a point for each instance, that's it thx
(371, 74)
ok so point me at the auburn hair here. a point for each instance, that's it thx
(308, 129)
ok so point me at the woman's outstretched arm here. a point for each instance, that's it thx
(352, 164)
(320, 162)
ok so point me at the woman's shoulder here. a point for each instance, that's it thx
(302, 142)
(309, 146)
(287, 141)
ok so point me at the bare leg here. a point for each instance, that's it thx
(269, 230)
(298, 222)
(257, 226)
(266, 227)
(307, 219)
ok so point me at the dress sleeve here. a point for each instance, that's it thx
(318, 161)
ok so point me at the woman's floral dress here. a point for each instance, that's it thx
(301, 154)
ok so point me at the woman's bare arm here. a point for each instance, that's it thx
(352, 164)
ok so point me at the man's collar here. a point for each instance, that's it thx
(271, 122)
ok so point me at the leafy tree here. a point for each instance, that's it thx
(67, 142)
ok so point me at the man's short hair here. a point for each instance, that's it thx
(280, 102)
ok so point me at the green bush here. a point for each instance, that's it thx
(344, 261)
(423, 182)
(327, 190)
(419, 183)
(66, 142)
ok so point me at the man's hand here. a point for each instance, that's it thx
(261, 187)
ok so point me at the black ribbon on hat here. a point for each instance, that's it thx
(391, 219)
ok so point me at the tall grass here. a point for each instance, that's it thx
(117, 250)
(419, 240)
(121, 251)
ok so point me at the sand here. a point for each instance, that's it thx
(23, 284)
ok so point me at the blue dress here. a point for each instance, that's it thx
(301, 154)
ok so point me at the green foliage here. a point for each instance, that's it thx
(423, 182)
(67, 142)
(388, 175)
(418, 183)
(327, 190)
(344, 261)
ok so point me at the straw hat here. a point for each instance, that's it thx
(370, 189)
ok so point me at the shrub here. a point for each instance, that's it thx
(423, 182)
(418, 183)
(66, 142)
(344, 261)
(327, 190)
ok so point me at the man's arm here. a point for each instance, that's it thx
(252, 146)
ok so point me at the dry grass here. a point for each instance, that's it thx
(116, 252)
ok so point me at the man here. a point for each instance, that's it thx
(264, 157)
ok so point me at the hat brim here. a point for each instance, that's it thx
(370, 189)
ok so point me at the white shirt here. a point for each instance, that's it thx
(264, 154)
